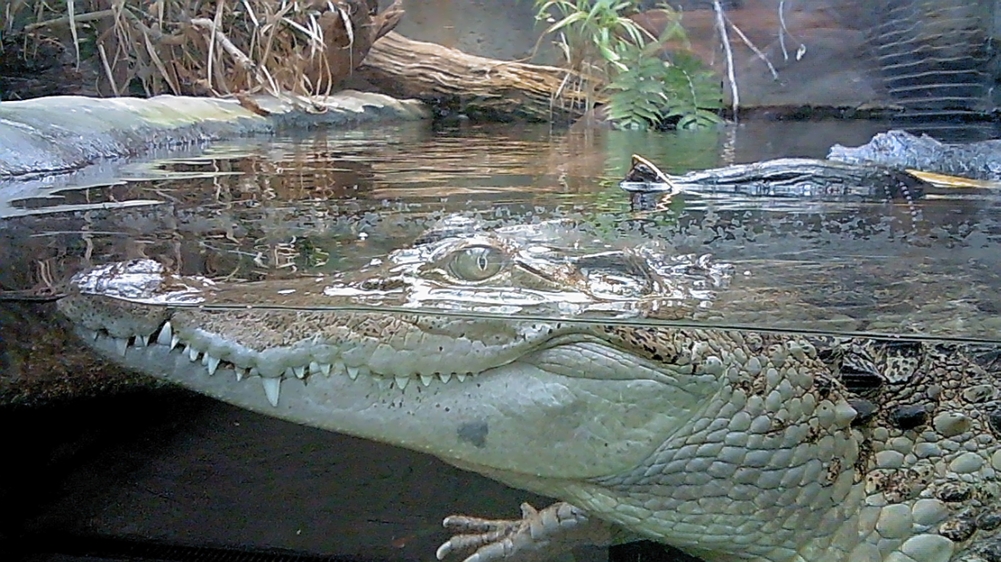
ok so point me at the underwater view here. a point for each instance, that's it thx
(551, 330)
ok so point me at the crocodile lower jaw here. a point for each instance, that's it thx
(166, 342)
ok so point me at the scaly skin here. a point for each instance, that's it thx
(731, 445)
(902, 150)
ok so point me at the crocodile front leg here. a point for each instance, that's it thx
(538, 535)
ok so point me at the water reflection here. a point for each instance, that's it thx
(326, 203)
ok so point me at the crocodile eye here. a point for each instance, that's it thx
(476, 263)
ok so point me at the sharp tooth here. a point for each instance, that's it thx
(314, 367)
(300, 372)
(193, 354)
(240, 373)
(445, 377)
(212, 364)
(426, 379)
(166, 335)
(325, 369)
(289, 373)
(122, 345)
(401, 382)
(460, 376)
(353, 372)
(272, 386)
(253, 372)
(174, 340)
(95, 334)
(142, 341)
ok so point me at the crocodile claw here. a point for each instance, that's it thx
(538, 535)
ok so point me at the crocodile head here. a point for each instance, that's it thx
(532, 362)
(471, 378)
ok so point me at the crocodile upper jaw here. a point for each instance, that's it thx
(470, 417)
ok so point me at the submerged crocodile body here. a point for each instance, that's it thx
(731, 445)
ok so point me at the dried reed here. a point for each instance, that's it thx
(211, 47)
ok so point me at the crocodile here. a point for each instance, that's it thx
(782, 177)
(572, 374)
(979, 160)
(894, 165)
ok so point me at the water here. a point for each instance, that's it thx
(330, 203)
(194, 471)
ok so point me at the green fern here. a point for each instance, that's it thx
(642, 90)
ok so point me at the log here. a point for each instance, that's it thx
(478, 87)
(346, 49)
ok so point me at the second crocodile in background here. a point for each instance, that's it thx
(894, 165)
(542, 370)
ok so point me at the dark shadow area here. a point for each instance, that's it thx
(169, 475)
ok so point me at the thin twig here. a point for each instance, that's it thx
(63, 20)
(721, 26)
(212, 40)
(107, 69)
(783, 29)
(71, 14)
(224, 42)
(754, 48)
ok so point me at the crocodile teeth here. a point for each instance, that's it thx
(174, 340)
(325, 369)
(426, 379)
(95, 334)
(240, 373)
(300, 372)
(460, 376)
(166, 335)
(193, 354)
(353, 372)
(401, 382)
(314, 367)
(272, 387)
(445, 377)
(142, 341)
(122, 345)
(212, 364)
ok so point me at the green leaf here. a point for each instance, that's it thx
(642, 90)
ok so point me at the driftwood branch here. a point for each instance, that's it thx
(476, 86)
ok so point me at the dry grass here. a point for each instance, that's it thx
(198, 47)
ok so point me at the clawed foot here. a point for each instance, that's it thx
(537, 535)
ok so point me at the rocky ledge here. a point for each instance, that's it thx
(60, 134)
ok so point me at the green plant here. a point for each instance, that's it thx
(640, 90)
(651, 91)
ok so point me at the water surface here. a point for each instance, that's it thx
(330, 202)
